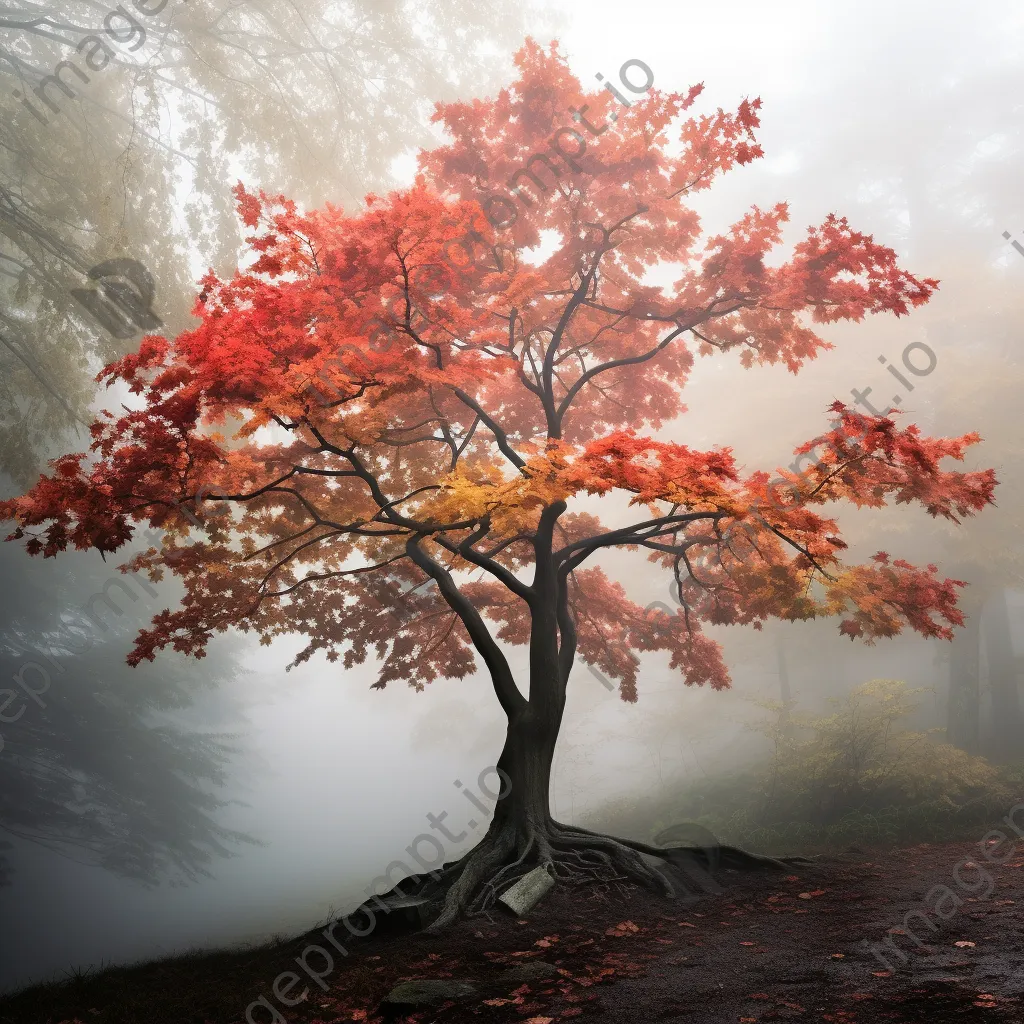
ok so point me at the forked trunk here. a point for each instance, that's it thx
(963, 712)
(1007, 731)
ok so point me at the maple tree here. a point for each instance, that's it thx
(422, 501)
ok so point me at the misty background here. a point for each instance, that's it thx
(192, 804)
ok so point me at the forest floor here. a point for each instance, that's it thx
(770, 946)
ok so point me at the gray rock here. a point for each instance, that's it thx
(408, 996)
(430, 992)
(528, 891)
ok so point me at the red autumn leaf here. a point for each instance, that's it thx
(623, 928)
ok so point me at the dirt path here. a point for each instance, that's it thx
(768, 947)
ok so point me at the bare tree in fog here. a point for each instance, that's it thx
(941, 184)
(96, 763)
(120, 136)
(118, 139)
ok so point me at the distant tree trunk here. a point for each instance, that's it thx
(1007, 730)
(785, 693)
(964, 689)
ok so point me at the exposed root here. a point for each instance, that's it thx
(481, 862)
(713, 855)
(573, 856)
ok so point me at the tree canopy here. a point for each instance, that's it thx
(511, 388)
(128, 156)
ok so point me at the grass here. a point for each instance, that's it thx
(192, 988)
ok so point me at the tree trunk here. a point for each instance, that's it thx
(525, 764)
(962, 721)
(785, 693)
(1007, 732)
(522, 834)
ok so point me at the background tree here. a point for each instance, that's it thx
(129, 157)
(992, 560)
(409, 426)
(102, 768)
(131, 161)
(947, 214)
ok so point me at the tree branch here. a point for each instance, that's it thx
(511, 700)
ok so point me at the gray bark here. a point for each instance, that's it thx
(1007, 733)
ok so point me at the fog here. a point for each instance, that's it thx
(232, 799)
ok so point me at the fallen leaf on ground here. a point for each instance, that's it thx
(623, 928)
